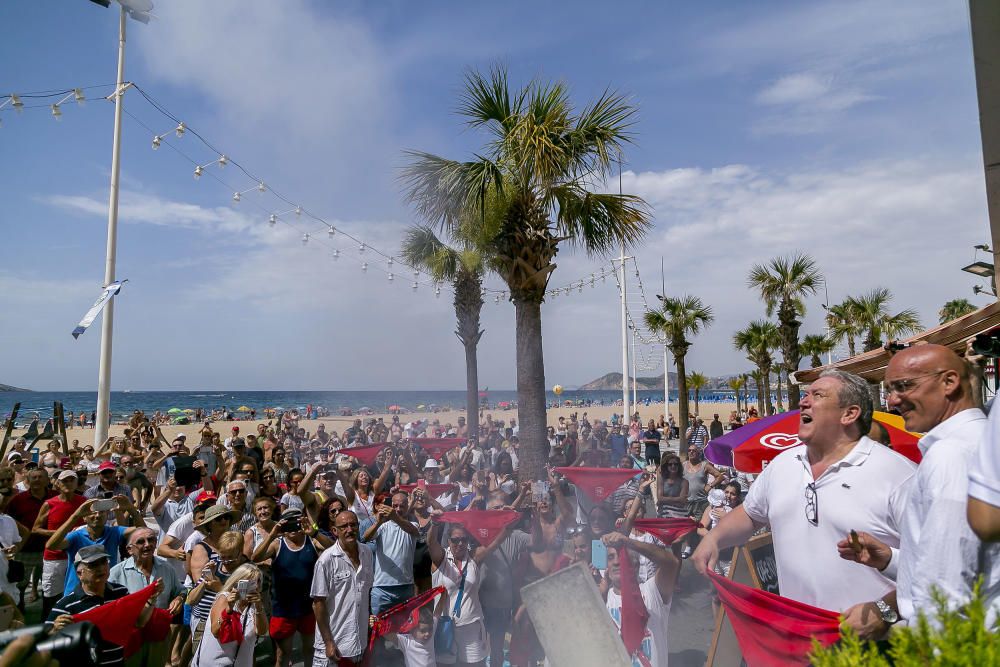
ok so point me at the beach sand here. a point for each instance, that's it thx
(444, 417)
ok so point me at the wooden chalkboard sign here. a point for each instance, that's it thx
(753, 565)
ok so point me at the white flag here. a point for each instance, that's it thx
(98, 306)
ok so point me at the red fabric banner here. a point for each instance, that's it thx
(483, 525)
(438, 447)
(598, 483)
(402, 618)
(774, 631)
(109, 620)
(667, 531)
(433, 490)
(634, 613)
(366, 453)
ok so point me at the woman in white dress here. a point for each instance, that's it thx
(234, 624)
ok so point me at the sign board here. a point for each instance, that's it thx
(587, 637)
(753, 565)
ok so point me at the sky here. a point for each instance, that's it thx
(846, 130)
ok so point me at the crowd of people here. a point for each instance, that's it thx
(282, 536)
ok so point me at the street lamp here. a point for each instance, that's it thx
(138, 10)
(981, 269)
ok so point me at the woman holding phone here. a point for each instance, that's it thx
(235, 622)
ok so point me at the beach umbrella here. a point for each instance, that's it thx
(188, 411)
(749, 447)
(421, 406)
(175, 411)
(243, 408)
(394, 408)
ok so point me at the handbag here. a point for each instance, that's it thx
(444, 634)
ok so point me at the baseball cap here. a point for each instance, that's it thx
(90, 554)
(66, 474)
(180, 436)
(14, 455)
(431, 463)
(716, 497)
(107, 465)
(236, 429)
(292, 514)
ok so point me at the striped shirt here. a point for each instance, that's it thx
(77, 602)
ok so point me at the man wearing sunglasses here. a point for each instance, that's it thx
(929, 385)
(814, 494)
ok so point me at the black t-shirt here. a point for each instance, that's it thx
(77, 602)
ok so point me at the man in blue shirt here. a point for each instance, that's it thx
(395, 540)
(618, 442)
(95, 531)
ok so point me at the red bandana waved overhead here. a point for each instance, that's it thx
(366, 454)
(667, 531)
(634, 613)
(403, 617)
(436, 448)
(598, 483)
(112, 620)
(774, 631)
(482, 525)
(433, 490)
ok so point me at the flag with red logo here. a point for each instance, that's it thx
(482, 525)
(598, 483)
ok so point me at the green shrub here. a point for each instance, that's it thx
(957, 638)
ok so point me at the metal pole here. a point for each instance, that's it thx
(107, 325)
(625, 404)
(635, 398)
(826, 318)
(984, 20)
(666, 367)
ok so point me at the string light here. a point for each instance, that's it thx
(364, 266)
(330, 232)
(390, 277)
(414, 286)
(305, 239)
(156, 146)
(16, 102)
(336, 254)
(180, 129)
(389, 262)
(56, 112)
(362, 248)
(272, 220)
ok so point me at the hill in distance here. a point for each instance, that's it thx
(614, 381)
(7, 387)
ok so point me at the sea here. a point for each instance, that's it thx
(123, 403)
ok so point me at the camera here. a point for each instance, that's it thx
(987, 344)
(76, 644)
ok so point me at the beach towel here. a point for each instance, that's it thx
(598, 483)
(774, 631)
(483, 525)
(667, 531)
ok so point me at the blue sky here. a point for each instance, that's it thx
(845, 129)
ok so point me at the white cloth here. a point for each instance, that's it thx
(654, 643)
(937, 546)
(231, 654)
(180, 530)
(8, 538)
(855, 493)
(984, 472)
(347, 591)
(449, 575)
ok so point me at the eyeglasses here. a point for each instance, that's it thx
(353, 525)
(237, 491)
(458, 540)
(248, 471)
(146, 540)
(812, 504)
(906, 385)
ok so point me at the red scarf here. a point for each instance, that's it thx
(774, 631)
(634, 613)
(401, 618)
(433, 490)
(598, 483)
(667, 531)
(366, 453)
(108, 619)
(436, 448)
(482, 525)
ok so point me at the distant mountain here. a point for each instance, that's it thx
(614, 381)
(7, 387)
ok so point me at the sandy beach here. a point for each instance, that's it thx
(444, 417)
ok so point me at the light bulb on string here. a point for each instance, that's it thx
(78, 96)
(581, 287)
(305, 239)
(497, 299)
(223, 161)
(197, 172)
(336, 254)
(330, 232)
(298, 210)
(156, 142)
(414, 286)
(16, 102)
(56, 113)
(362, 248)
(272, 220)
(261, 187)
(181, 127)
(437, 291)
(391, 277)
(389, 262)
(364, 266)
(236, 196)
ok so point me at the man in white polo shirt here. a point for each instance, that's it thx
(812, 495)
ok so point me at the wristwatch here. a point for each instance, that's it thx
(889, 615)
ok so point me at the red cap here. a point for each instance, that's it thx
(206, 495)
(236, 429)
(107, 465)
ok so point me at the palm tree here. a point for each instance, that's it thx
(955, 309)
(758, 383)
(525, 193)
(463, 268)
(872, 314)
(758, 339)
(815, 345)
(678, 318)
(697, 381)
(842, 320)
(783, 283)
(736, 384)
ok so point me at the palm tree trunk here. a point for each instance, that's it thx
(759, 384)
(682, 400)
(850, 346)
(781, 405)
(768, 403)
(697, 395)
(468, 307)
(530, 391)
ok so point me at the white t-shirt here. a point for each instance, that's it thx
(418, 654)
(859, 492)
(347, 591)
(449, 575)
(8, 538)
(654, 643)
(984, 472)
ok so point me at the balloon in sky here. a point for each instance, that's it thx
(557, 390)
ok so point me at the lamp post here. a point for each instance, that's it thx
(138, 10)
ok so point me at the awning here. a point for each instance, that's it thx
(954, 334)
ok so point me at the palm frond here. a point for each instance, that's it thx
(487, 101)
(600, 222)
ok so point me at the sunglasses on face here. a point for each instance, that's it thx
(347, 525)
(237, 491)
(458, 540)
(248, 472)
